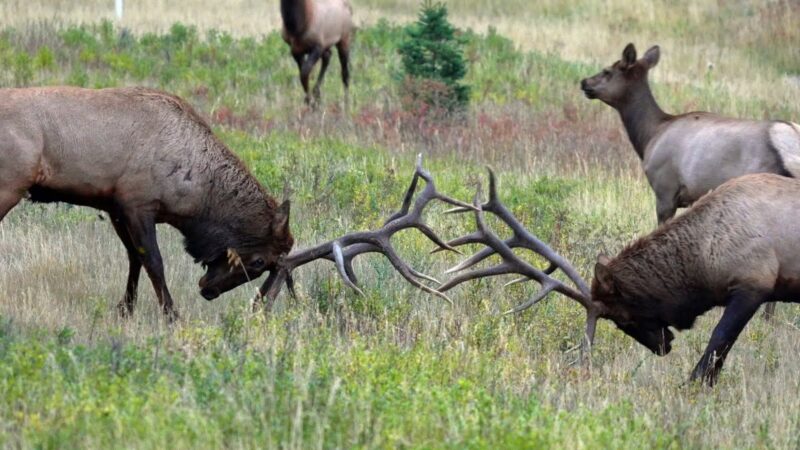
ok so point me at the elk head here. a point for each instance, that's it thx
(628, 313)
(614, 84)
(245, 263)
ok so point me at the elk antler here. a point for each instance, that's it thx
(343, 249)
(513, 264)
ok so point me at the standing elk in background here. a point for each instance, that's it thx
(311, 28)
(144, 157)
(687, 155)
(737, 247)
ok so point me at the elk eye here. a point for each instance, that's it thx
(606, 73)
(259, 262)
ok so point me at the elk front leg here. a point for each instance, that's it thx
(665, 209)
(125, 307)
(742, 305)
(142, 230)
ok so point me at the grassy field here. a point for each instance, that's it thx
(395, 368)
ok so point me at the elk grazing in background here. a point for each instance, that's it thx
(144, 157)
(737, 247)
(311, 28)
(687, 155)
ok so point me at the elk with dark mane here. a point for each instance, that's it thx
(144, 157)
(737, 248)
(311, 28)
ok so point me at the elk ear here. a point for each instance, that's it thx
(603, 274)
(629, 55)
(280, 223)
(651, 56)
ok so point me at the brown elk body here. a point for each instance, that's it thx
(685, 156)
(737, 247)
(144, 157)
(311, 28)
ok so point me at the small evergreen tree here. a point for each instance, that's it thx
(433, 61)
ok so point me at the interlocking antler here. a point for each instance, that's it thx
(513, 264)
(343, 249)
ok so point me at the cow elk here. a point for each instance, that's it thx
(144, 157)
(687, 155)
(737, 247)
(311, 28)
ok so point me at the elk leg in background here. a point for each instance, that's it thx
(305, 70)
(142, 230)
(125, 307)
(742, 305)
(665, 209)
(769, 310)
(8, 200)
(343, 50)
(326, 59)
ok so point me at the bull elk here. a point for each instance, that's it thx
(684, 156)
(144, 157)
(311, 28)
(736, 247)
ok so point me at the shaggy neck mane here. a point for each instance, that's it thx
(295, 15)
(656, 274)
(238, 211)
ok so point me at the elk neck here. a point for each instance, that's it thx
(641, 116)
(296, 15)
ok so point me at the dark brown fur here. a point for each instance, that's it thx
(737, 247)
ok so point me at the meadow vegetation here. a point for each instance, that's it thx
(395, 368)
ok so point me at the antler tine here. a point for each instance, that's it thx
(499, 269)
(339, 258)
(344, 249)
(539, 296)
(527, 240)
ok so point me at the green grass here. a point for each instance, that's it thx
(395, 368)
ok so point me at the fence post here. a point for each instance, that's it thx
(119, 6)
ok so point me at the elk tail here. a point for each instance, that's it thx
(784, 138)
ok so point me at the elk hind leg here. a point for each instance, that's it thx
(326, 59)
(769, 310)
(8, 200)
(306, 68)
(742, 305)
(343, 50)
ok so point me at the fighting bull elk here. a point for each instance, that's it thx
(144, 157)
(737, 247)
(684, 156)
